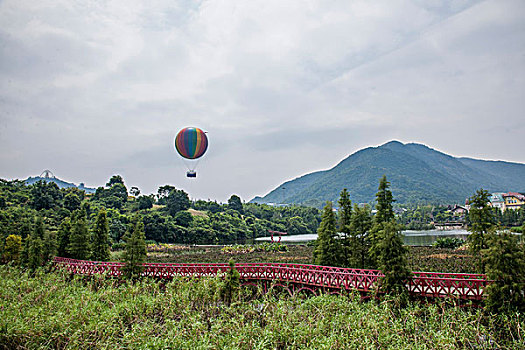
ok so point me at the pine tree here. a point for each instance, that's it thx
(386, 247)
(360, 226)
(481, 224)
(345, 216)
(34, 252)
(79, 247)
(345, 210)
(35, 245)
(505, 265)
(232, 284)
(392, 260)
(101, 238)
(49, 246)
(384, 198)
(384, 214)
(327, 248)
(135, 253)
(64, 233)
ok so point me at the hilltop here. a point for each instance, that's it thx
(418, 174)
(49, 177)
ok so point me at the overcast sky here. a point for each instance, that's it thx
(89, 89)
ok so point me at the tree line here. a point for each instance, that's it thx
(70, 222)
(355, 238)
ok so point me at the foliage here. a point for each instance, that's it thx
(234, 203)
(328, 250)
(481, 223)
(384, 201)
(214, 223)
(101, 238)
(64, 233)
(392, 259)
(505, 265)
(12, 248)
(165, 248)
(56, 311)
(359, 238)
(183, 218)
(263, 247)
(433, 259)
(177, 200)
(145, 202)
(115, 179)
(232, 283)
(448, 242)
(72, 201)
(35, 246)
(45, 195)
(79, 241)
(163, 193)
(135, 253)
(134, 191)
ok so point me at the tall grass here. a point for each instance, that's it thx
(56, 310)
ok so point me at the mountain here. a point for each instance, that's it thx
(60, 183)
(417, 173)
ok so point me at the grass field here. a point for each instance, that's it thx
(428, 259)
(58, 311)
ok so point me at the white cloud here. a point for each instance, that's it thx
(89, 89)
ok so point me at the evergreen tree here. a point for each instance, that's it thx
(115, 179)
(392, 259)
(176, 201)
(345, 217)
(79, 247)
(384, 198)
(72, 201)
(232, 284)
(49, 245)
(135, 253)
(360, 226)
(101, 238)
(64, 232)
(505, 265)
(234, 203)
(481, 224)
(345, 210)
(327, 248)
(26, 230)
(35, 245)
(384, 214)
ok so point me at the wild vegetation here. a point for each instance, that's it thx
(57, 311)
(70, 223)
(62, 311)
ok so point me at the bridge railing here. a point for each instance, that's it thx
(428, 284)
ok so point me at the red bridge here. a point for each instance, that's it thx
(295, 277)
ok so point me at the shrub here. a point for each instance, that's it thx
(448, 242)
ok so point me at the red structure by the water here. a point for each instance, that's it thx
(296, 277)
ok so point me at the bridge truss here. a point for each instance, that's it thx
(300, 277)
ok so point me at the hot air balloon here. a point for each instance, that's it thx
(191, 143)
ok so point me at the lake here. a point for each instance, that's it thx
(423, 238)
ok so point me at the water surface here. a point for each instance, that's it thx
(410, 237)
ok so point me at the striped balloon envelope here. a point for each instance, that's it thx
(191, 143)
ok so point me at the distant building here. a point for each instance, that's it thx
(497, 201)
(514, 200)
(458, 210)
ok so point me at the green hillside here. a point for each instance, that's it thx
(60, 183)
(418, 174)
